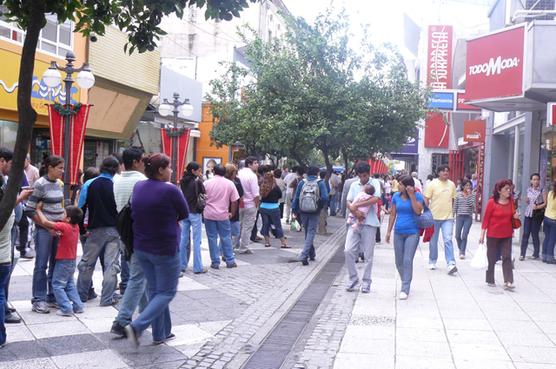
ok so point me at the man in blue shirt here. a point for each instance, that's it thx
(362, 240)
(309, 218)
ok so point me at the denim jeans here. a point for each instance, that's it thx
(333, 204)
(193, 224)
(4, 272)
(405, 246)
(271, 217)
(124, 276)
(463, 225)
(446, 226)
(64, 288)
(309, 223)
(549, 239)
(236, 233)
(45, 248)
(105, 240)
(363, 241)
(531, 227)
(222, 229)
(162, 273)
(135, 293)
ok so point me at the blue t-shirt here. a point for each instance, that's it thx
(405, 217)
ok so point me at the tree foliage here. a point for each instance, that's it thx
(140, 19)
(312, 90)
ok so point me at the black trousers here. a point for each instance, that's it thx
(531, 227)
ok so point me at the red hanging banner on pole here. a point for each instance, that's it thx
(182, 145)
(78, 125)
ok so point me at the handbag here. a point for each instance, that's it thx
(516, 223)
(538, 214)
(124, 226)
(480, 260)
(201, 198)
(424, 220)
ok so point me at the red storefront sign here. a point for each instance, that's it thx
(439, 60)
(461, 103)
(437, 131)
(474, 131)
(551, 114)
(495, 65)
(182, 144)
(78, 125)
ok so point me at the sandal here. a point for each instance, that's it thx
(266, 245)
(508, 286)
(285, 246)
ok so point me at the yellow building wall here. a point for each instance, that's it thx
(206, 149)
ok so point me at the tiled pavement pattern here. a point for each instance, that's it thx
(447, 322)
(219, 318)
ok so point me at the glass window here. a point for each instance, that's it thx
(65, 34)
(8, 133)
(50, 31)
(47, 46)
(5, 31)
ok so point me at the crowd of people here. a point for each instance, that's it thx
(238, 206)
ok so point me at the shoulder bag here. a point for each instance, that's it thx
(201, 197)
(516, 223)
(424, 220)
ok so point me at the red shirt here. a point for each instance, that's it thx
(498, 220)
(67, 247)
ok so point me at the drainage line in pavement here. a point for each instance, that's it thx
(277, 345)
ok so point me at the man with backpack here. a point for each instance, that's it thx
(310, 197)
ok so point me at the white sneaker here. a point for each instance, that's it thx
(432, 266)
(452, 269)
(403, 296)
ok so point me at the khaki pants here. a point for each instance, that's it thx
(247, 218)
(322, 220)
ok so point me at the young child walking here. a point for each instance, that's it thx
(63, 283)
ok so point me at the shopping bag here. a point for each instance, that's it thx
(295, 226)
(480, 260)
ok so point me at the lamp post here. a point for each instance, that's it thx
(175, 107)
(85, 79)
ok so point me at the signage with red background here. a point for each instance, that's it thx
(551, 114)
(439, 59)
(474, 131)
(461, 103)
(495, 65)
(437, 131)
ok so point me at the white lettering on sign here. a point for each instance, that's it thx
(439, 59)
(494, 66)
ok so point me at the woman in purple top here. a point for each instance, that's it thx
(156, 208)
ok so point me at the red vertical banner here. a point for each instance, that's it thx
(437, 131)
(439, 57)
(78, 126)
(182, 146)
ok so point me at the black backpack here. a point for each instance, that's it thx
(124, 225)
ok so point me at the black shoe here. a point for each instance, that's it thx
(112, 302)
(11, 310)
(118, 330)
(552, 261)
(231, 265)
(312, 258)
(304, 262)
(215, 266)
(12, 319)
(91, 296)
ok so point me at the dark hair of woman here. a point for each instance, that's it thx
(268, 184)
(192, 166)
(407, 181)
(464, 182)
(535, 175)
(499, 186)
(153, 163)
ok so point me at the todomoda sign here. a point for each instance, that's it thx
(495, 65)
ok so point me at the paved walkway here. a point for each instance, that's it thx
(219, 318)
(448, 321)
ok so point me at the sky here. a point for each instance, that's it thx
(469, 17)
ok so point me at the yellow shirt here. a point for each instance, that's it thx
(440, 195)
(394, 185)
(550, 211)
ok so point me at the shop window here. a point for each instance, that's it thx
(438, 160)
(8, 133)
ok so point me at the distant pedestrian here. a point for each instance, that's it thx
(534, 215)
(251, 199)
(282, 186)
(406, 205)
(497, 226)
(464, 208)
(439, 197)
(334, 183)
(156, 208)
(345, 191)
(549, 226)
(323, 219)
(291, 181)
(269, 209)
(309, 199)
(231, 174)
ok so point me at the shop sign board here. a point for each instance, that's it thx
(442, 100)
(474, 131)
(439, 57)
(495, 65)
(551, 114)
(437, 131)
(461, 103)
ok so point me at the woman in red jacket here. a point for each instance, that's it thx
(497, 225)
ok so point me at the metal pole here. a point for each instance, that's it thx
(175, 146)
(68, 82)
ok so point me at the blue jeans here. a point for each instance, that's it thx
(271, 217)
(236, 233)
(45, 248)
(405, 246)
(4, 273)
(549, 239)
(162, 273)
(222, 229)
(333, 204)
(124, 275)
(309, 223)
(463, 225)
(193, 224)
(447, 229)
(64, 287)
(135, 293)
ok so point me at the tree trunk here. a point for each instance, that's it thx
(328, 164)
(27, 115)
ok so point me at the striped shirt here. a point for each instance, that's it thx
(123, 187)
(51, 194)
(464, 205)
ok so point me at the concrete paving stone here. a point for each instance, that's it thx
(520, 365)
(42, 363)
(168, 365)
(525, 338)
(64, 345)
(105, 359)
(456, 336)
(492, 364)
(363, 361)
(56, 329)
(22, 351)
(467, 324)
(18, 333)
(419, 362)
(541, 355)
(480, 352)
(410, 322)
(516, 326)
(440, 350)
(353, 343)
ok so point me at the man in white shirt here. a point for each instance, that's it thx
(296, 173)
(418, 184)
(251, 198)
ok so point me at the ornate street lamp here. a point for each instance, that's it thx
(85, 79)
(176, 107)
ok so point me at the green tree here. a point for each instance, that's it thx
(138, 18)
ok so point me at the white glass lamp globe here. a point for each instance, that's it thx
(186, 110)
(52, 77)
(165, 109)
(85, 79)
